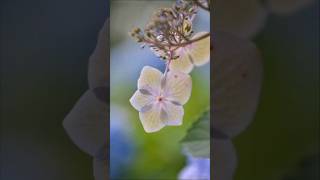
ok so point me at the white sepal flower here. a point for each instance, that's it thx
(160, 98)
(194, 54)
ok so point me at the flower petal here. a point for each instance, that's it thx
(199, 51)
(140, 99)
(236, 78)
(178, 87)
(98, 72)
(173, 114)
(150, 79)
(287, 6)
(224, 160)
(183, 63)
(100, 169)
(86, 124)
(151, 120)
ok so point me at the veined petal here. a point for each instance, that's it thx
(149, 79)
(150, 119)
(183, 63)
(172, 114)
(177, 87)
(140, 99)
(199, 51)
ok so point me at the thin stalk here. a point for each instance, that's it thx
(180, 44)
(201, 5)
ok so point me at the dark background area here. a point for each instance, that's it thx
(45, 47)
(283, 140)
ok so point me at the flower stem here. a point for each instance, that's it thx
(202, 6)
(168, 64)
(192, 40)
(179, 44)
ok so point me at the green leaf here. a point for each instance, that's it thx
(197, 140)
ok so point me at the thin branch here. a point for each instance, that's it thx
(201, 5)
(177, 45)
(192, 40)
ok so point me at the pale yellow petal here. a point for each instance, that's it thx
(149, 79)
(139, 100)
(177, 87)
(172, 114)
(150, 120)
(200, 50)
(183, 63)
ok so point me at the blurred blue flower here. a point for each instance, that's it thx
(197, 169)
(121, 143)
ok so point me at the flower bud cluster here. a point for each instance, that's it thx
(160, 97)
(167, 28)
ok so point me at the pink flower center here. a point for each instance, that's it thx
(159, 98)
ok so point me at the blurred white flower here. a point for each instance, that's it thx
(86, 123)
(236, 80)
(98, 69)
(160, 98)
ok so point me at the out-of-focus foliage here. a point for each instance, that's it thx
(197, 140)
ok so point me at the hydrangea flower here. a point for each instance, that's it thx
(236, 77)
(194, 54)
(160, 98)
(170, 36)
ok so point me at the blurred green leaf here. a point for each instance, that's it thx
(197, 140)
